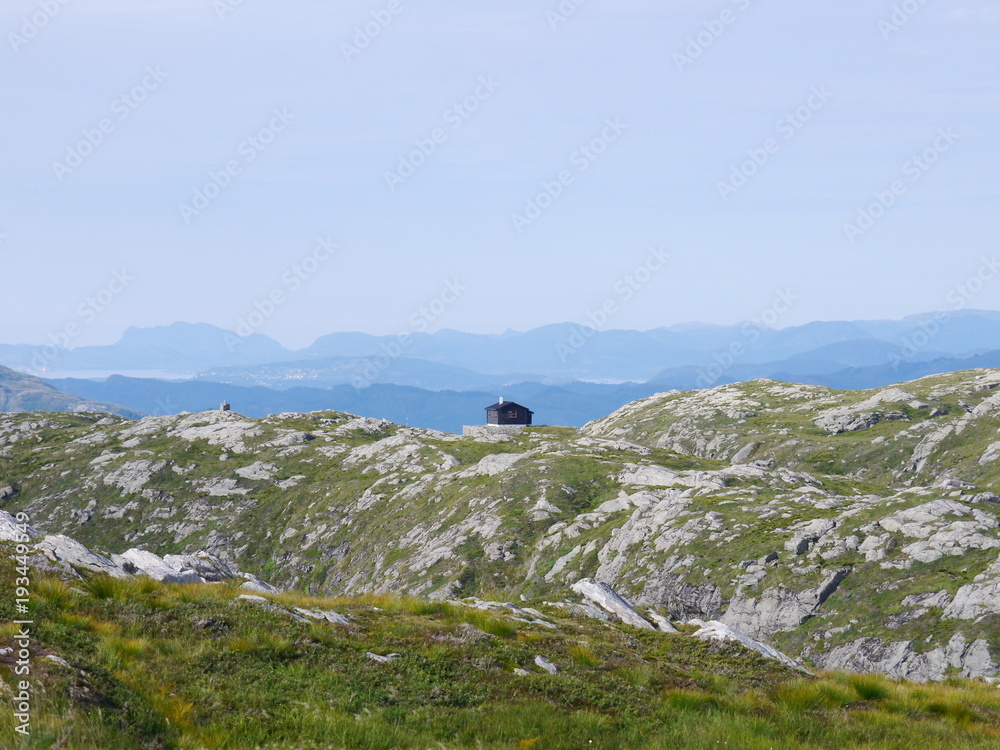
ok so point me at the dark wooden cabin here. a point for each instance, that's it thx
(507, 412)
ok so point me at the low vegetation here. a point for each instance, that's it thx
(139, 664)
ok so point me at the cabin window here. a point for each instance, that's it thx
(513, 414)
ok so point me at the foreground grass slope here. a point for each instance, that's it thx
(137, 664)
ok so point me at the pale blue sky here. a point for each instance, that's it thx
(886, 94)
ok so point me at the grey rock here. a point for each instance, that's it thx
(744, 453)
(219, 487)
(498, 463)
(900, 660)
(543, 663)
(70, 554)
(155, 567)
(132, 476)
(328, 616)
(609, 600)
(253, 583)
(583, 610)
(930, 599)
(298, 437)
(258, 470)
(208, 567)
(387, 659)
(661, 622)
(682, 600)
(836, 424)
(779, 609)
(12, 530)
(902, 618)
(808, 534)
(940, 536)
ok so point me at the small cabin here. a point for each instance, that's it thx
(507, 412)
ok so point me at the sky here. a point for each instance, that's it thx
(300, 167)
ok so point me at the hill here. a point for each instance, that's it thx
(24, 393)
(854, 530)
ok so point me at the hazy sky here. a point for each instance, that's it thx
(492, 165)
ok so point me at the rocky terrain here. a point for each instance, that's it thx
(853, 530)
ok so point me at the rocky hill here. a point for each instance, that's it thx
(851, 530)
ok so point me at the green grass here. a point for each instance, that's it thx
(168, 666)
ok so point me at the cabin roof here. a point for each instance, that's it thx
(505, 406)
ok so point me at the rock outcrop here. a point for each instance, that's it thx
(609, 600)
(901, 660)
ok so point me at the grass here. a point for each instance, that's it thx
(169, 666)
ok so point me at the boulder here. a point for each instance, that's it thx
(153, 566)
(12, 530)
(69, 554)
(543, 663)
(608, 599)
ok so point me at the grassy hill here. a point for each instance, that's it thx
(852, 530)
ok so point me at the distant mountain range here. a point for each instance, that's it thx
(554, 352)
(566, 373)
(573, 404)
